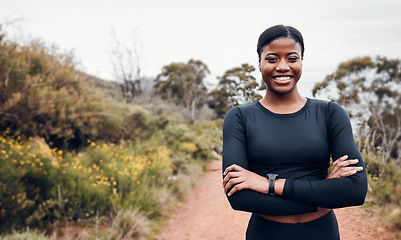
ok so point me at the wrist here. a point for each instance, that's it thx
(279, 186)
(272, 180)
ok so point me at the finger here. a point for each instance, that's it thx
(348, 162)
(350, 171)
(229, 176)
(347, 173)
(232, 183)
(233, 167)
(342, 169)
(341, 162)
(335, 168)
(236, 188)
(342, 158)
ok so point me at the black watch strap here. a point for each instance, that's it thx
(272, 179)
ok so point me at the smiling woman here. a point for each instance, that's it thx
(277, 151)
(281, 65)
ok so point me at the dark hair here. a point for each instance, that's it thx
(279, 31)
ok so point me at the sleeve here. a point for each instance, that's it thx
(338, 192)
(235, 152)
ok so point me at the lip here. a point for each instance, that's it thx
(282, 79)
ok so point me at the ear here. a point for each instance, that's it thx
(260, 68)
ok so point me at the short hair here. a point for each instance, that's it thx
(280, 31)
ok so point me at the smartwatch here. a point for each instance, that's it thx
(272, 179)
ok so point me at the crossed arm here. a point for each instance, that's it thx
(345, 185)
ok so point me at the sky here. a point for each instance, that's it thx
(222, 34)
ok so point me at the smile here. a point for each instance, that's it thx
(282, 79)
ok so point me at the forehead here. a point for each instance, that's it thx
(282, 45)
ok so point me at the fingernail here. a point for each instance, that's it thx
(360, 168)
(356, 160)
(346, 156)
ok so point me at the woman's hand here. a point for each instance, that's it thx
(239, 178)
(341, 169)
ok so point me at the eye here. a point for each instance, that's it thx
(293, 59)
(271, 59)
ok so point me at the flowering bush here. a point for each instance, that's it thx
(38, 188)
(42, 187)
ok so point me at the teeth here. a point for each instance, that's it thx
(284, 78)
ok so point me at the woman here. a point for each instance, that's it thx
(277, 151)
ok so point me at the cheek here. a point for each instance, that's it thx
(266, 68)
(298, 69)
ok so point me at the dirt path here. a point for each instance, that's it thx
(206, 214)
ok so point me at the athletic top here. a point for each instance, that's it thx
(297, 147)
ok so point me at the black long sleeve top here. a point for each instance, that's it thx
(297, 147)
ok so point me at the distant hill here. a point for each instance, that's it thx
(112, 88)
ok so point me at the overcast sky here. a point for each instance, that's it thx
(222, 34)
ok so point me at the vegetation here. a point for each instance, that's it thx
(236, 87)
(183, 83)
(370, 91)
(127, 64)
(75, 154)
(42, 187)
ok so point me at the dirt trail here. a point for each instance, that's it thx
(207, 215)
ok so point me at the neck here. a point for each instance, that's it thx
(288, 98)
(285, 103)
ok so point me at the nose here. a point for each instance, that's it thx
(282, 66)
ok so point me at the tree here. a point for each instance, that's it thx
(236, 87)
(370, 91)
(127, 65)
(183, 83)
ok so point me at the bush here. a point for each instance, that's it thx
(385, 187)
(26, 235)
(42, 187)
(26, 180)
(43, 95)
(130, 224)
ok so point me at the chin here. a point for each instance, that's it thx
(283, 90)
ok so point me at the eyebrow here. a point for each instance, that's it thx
(287, 53)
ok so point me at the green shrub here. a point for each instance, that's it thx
(25, 181)
(44, 95)
(385, 186)
(45, 188)
(26, 235)
(130, 224)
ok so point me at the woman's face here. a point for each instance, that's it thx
(281, 65)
